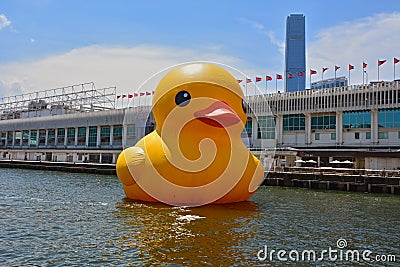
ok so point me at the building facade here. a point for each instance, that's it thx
(295, 53)
(360, 124)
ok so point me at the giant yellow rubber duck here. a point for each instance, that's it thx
(195, 156)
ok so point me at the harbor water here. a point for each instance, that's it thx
(64, 219)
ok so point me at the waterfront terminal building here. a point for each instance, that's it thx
(359, 125)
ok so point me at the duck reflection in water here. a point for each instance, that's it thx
(155, 233)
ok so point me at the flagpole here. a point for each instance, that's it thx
(298, 82)
(349, 78)
(323, 84)
(310, 80)
(266, 85)
(335, 76)
(394, 71)
(378, 70)
(276, 84)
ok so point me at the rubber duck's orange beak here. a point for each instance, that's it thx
(219, 114)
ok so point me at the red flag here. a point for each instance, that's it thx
(364, 65)
(380, 62)
(130, 96)
(395, 60)
(324, 69)
(239, 81)
(268, 78)
(258, 79)
(141, 94)
(248, 80)
(351, 67)
(118, 96)
(152, 92)
(135, 94)
(313, 72)
(300, 74)
(123, 96)
(290, 76)
(148, 93)
(336, 68)
(279, 77)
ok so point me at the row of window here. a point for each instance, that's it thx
(389, 118)
(35, 138)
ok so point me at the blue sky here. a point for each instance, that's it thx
(46, 44)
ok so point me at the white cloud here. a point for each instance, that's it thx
(356, 41)
(4, 22)
(126, 68)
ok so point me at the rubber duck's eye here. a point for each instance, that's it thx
(245, 106)
(182, 98)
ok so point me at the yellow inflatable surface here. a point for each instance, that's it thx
(195, 156)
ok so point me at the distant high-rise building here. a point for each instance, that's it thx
(295, 53)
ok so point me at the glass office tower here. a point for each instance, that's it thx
(295, 53)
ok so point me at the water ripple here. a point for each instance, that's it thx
(62, 219)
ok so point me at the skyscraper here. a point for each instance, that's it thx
(295, 53)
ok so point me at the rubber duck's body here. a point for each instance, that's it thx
(195, 156)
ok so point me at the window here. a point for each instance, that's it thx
(81, 136)
(357, 119)
(51, 133)
(71, 133)
(105, 135)
(266, 127)
(105, 131)
(333, 136)
(367, 135)
(320, 122)
(32, 140)
(356, 135)
(117, 130)
(71, 136)
(25, 138)
(294, 122)
(60, 136)
(17, 138)
(117, 133)
(248, 128)
(398, 135)
(317, 136)
(389, 118)
(42, 137)
(92, 136)
(82, 132)
(10, 137)
(383, 135)
(131, 131)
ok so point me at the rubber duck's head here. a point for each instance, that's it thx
(202, 95)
